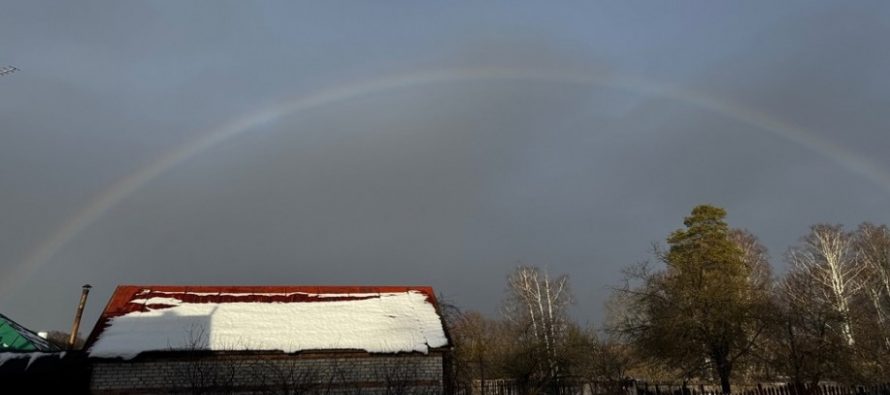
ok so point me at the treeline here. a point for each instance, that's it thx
(707, 309)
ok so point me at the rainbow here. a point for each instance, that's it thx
(120, 190)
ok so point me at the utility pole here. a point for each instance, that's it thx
(4, 70)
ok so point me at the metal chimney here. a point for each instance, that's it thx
(76, 326)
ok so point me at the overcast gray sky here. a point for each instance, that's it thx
(435, 143)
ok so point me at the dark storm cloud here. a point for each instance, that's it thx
(448, 184)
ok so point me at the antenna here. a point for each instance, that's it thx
(4, 70)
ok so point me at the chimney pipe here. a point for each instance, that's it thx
(76, 326)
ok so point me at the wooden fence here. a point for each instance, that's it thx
(641, 388)
(511, 387)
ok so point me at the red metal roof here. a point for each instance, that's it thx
(119, 304)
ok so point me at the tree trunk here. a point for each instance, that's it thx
(724, 370)
(724, 382)
(482, 375)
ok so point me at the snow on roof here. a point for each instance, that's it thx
(290, 319)
(32, 356)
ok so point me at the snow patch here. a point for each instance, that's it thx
(167, 301)
(353, 295)
(32, 356)
(391, 323)
(7, 356)
(316, 295)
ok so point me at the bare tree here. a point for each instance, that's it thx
(827, 255)
(872, 307)
(60, 340)
(754, 256)
(477, 343)
(873, 248)
(599, 364)
(540, 304)
(805, 343)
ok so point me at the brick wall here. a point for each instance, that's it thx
(339, 373)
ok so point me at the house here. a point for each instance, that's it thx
(17, 338)
(249, 339)
(31, 364)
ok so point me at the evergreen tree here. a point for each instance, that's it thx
(703, 312)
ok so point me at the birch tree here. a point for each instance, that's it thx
(873, 248)
(539, 305)
(872, 310)
(806, 348)
(827, 255)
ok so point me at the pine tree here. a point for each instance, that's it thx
(703, 312)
